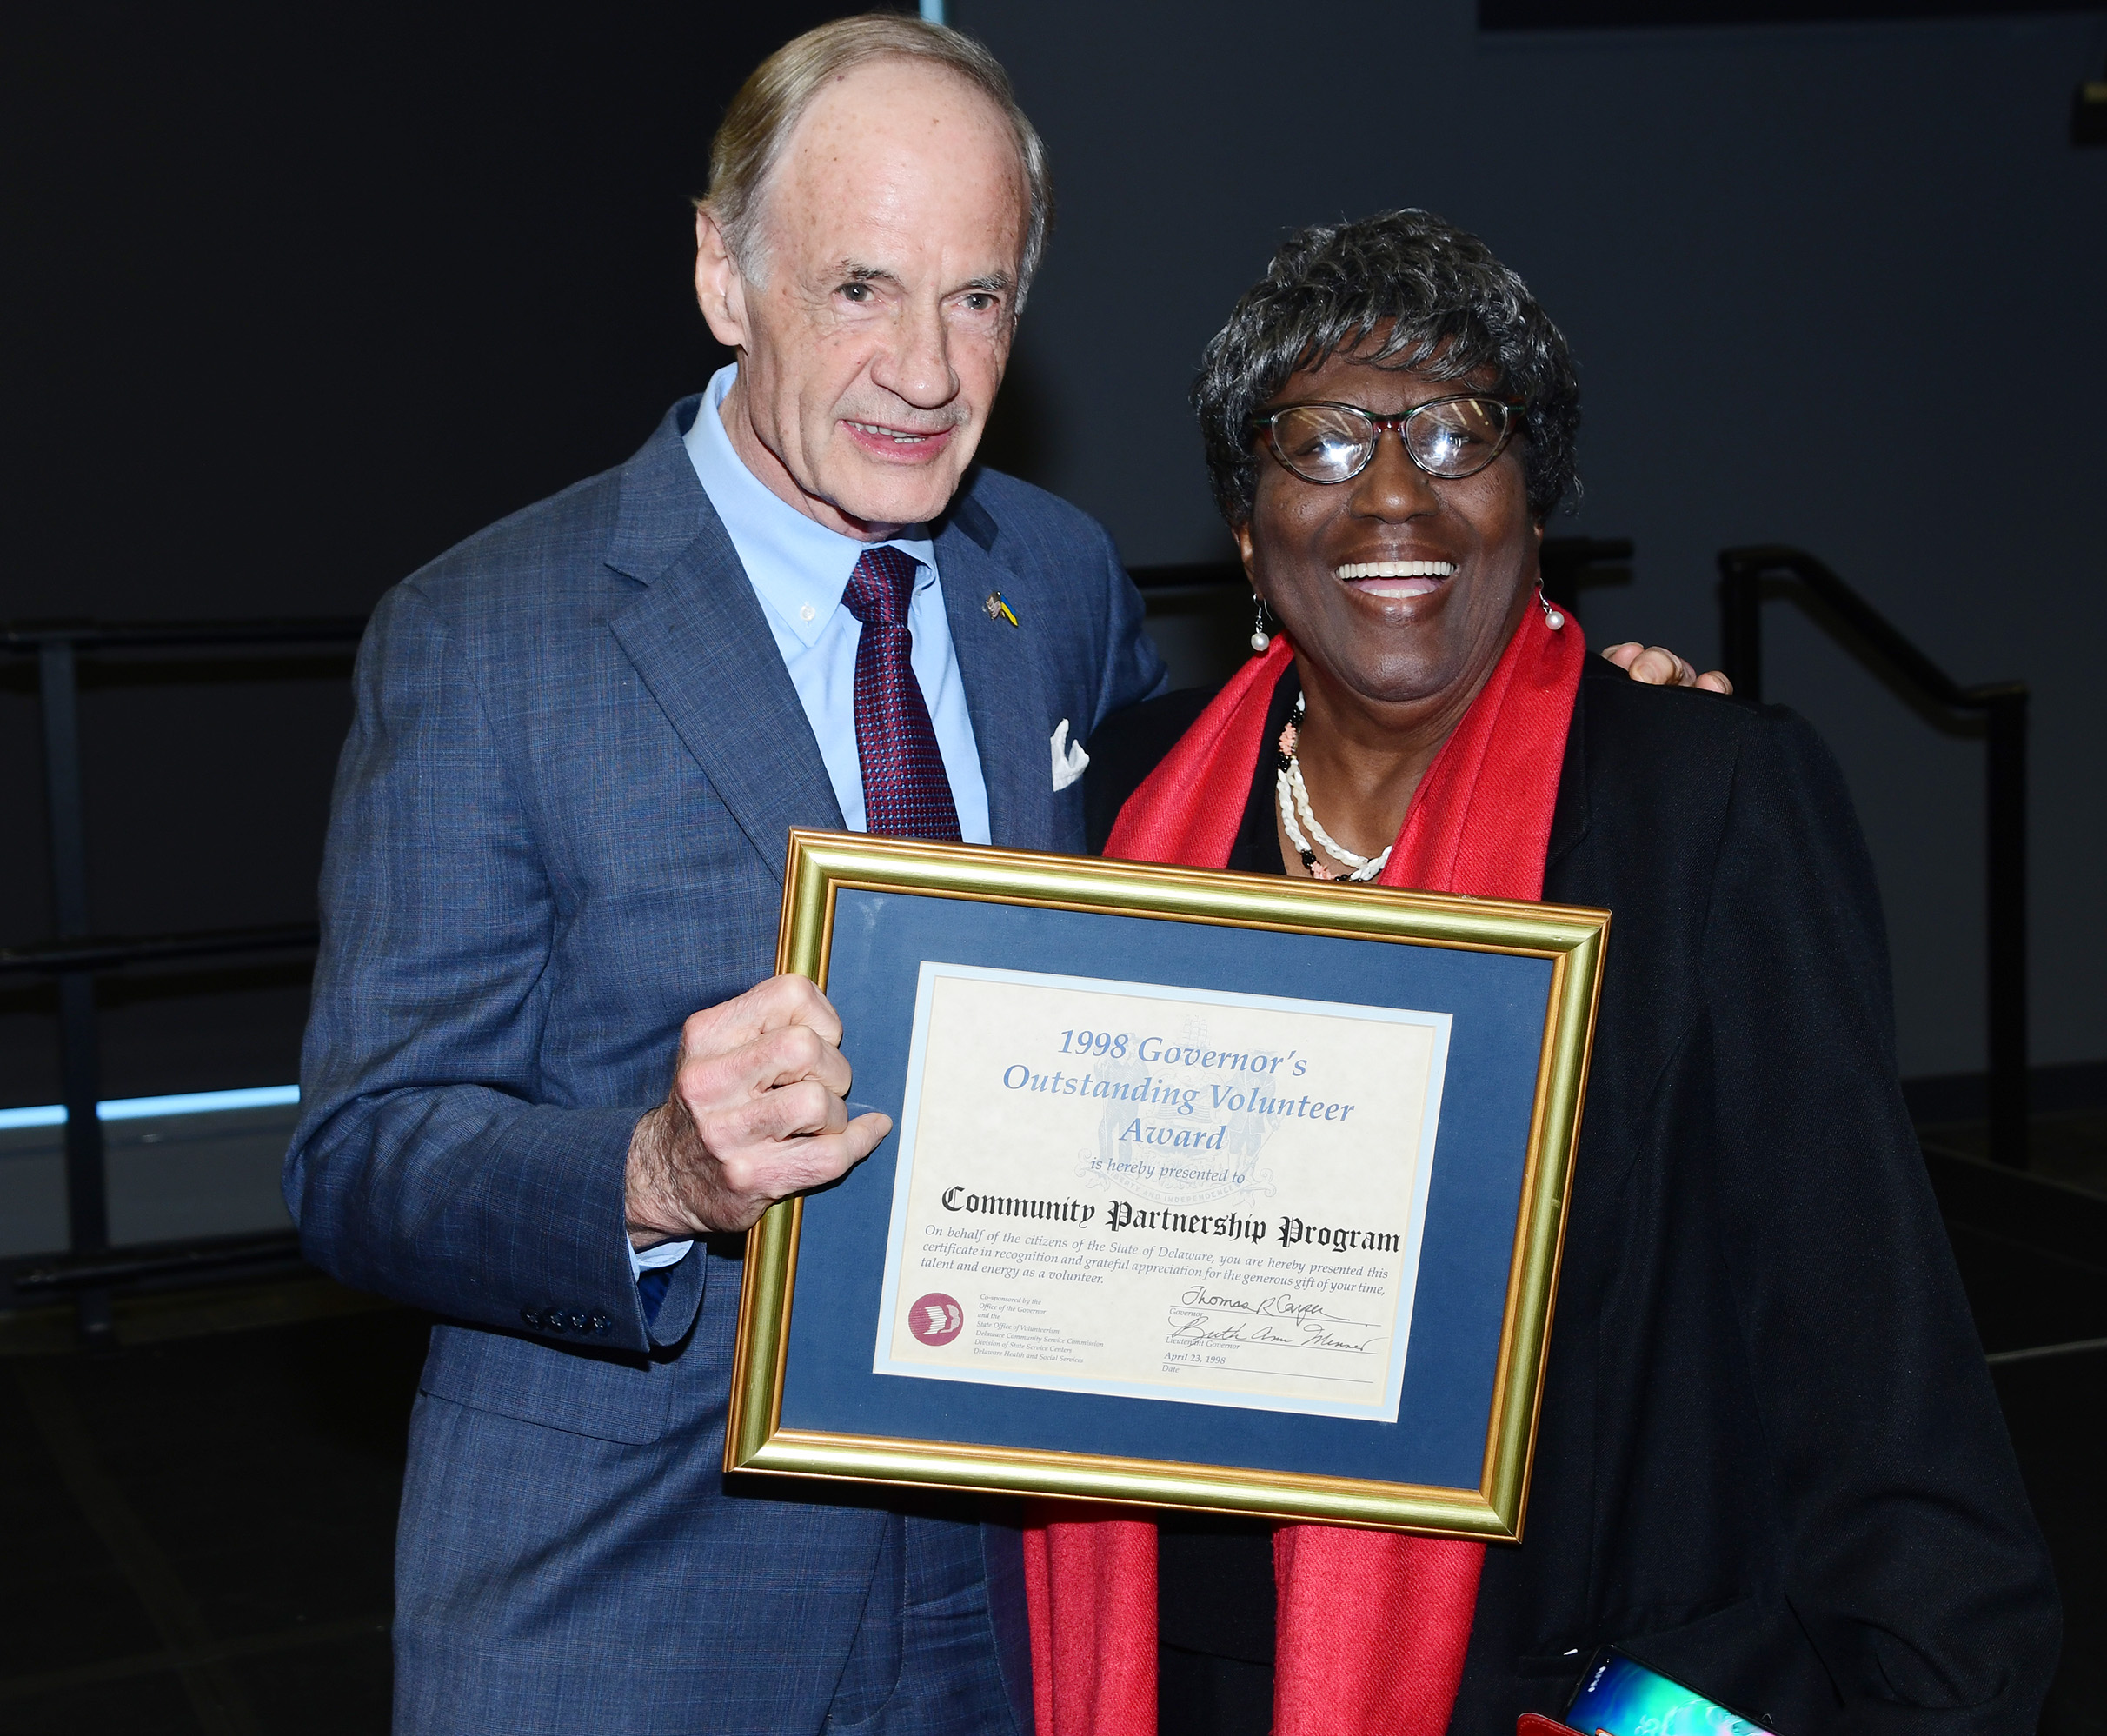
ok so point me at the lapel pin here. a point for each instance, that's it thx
(998, 608)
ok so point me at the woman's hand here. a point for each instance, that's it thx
(1657, 666)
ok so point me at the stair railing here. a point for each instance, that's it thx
(76, 955)
(1743, 574)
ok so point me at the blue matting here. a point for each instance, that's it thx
(1498, 1003)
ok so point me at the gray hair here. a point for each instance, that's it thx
(1441, 302)
(764, 114)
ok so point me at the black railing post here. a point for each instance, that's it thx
(74, 957)
(2005, 817)
(2003, 704)
(79, 1043)
(1562, 562)
(1741, 626)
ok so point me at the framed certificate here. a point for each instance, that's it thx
(1204, 1190)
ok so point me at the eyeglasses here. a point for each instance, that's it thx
(1451, 438)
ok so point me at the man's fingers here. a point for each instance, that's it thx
(1657, 666)
(846, 1149)
(769, 1063)
(758, 1175)
(875, 1125)
(789, 1111)
(861, 1137)
(780, 1003)
(789, 1000)
(760, 1089)
(787, 1056)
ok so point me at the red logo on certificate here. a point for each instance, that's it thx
(936, 1319)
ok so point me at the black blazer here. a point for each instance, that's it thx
(1771, 1462)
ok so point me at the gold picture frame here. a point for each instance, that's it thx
(823, 865)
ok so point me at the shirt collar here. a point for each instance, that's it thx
(798, 567)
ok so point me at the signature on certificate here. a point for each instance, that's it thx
(1201, 1317)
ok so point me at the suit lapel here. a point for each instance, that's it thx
(1005, 693)
(697, 636)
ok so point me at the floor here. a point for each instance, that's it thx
(127, 1601)
(2070, 1148)
(2056, 1410)
(130, 1602)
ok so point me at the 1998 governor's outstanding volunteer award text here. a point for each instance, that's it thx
(1181, 1194)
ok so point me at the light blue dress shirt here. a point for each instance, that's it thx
(799, 569)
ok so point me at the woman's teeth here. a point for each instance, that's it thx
(1397, 569)
(1395, 578)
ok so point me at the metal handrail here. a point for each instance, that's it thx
(109, 952)
(164, 1262)
(1564, 560)
(74, 956)
(1743, 573)
(95, 635)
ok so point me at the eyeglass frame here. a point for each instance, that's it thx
(1511, 425)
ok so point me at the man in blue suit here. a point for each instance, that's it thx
(558, 830)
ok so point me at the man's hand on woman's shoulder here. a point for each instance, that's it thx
(1657, 666)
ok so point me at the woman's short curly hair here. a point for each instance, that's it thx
(1439, 301)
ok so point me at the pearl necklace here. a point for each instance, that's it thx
(1295, 800)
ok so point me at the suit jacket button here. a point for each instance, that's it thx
(601, 1323)
(532, 1316)
(578, 1322)
(552, 1319)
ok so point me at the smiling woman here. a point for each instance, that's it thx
(1401, 564)
(1769, 1461)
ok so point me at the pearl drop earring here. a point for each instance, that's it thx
(1260, 637)
(1552, 618)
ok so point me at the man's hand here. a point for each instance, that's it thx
(1657, 666)
(755, 1114)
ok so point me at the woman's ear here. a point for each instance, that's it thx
(1242, 533)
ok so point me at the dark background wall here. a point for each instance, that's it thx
(1838, 285)
(299, 300)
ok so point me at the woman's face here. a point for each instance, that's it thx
(1314, 552)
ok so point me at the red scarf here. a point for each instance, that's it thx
(1372, 1626)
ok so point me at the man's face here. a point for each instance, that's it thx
(871, 346)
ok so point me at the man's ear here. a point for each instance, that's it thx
(719, 290)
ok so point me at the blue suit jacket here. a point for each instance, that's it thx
(558, 830)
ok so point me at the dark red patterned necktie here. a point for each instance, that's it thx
(906, 792)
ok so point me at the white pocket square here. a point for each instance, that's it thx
(1068, 762)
